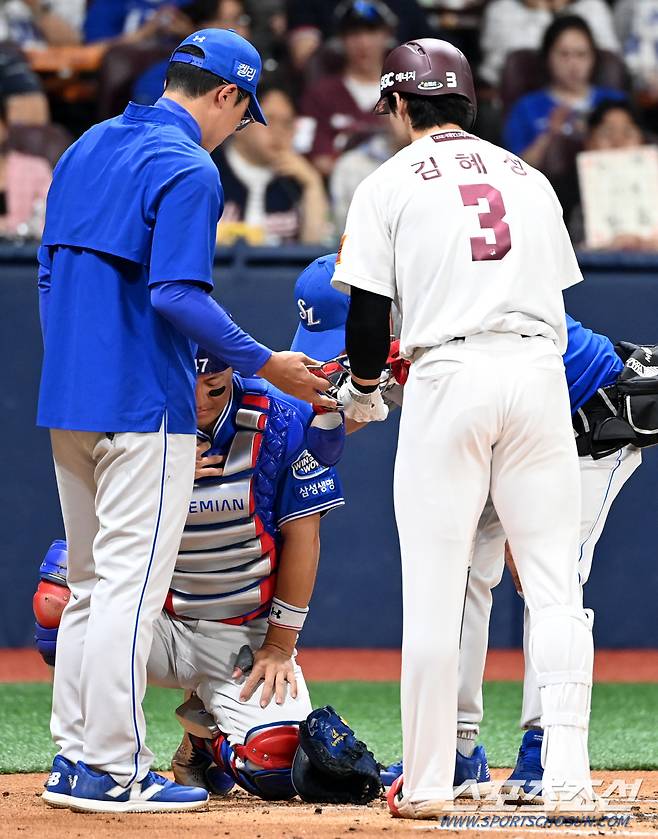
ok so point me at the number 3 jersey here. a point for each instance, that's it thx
(227, 563)
(465, 238)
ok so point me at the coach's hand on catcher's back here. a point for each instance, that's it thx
(288, 371)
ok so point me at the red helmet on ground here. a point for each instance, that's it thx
(426, 67)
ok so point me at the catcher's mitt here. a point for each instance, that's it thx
(331, 766)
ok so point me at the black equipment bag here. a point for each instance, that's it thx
(625, 413)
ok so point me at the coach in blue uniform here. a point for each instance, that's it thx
(125, 275)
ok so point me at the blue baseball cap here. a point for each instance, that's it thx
(207, 363)
(322, 311)
(229, 56)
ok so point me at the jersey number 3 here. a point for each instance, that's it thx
(482, 250)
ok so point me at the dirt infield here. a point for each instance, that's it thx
(323, 665)
(25, 815)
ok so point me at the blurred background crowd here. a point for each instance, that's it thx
(570, 86)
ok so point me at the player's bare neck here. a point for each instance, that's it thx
(437, 129)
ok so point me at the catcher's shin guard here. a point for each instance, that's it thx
(562, 652)
(262, 765)
(193, 766)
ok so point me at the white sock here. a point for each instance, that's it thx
(466, 742)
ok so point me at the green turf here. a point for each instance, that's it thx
(623, 733)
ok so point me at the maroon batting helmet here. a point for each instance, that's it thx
(426, 67)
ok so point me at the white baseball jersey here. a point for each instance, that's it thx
(443, 229)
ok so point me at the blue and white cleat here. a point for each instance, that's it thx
(98, 792)
(468, 771)
(528, 773)
(390, 774)
(57, 791)
(472, 772)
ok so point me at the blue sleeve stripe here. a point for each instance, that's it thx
(309, 511)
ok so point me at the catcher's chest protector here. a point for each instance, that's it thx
(226, 566)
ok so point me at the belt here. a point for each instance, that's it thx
(421, 351)
(463, 337)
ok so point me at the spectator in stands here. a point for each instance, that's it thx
(637, 26)
(24, 183)
(312, 22)
(613, 124)
(341, 106)
(133, 21)
(510, 25)
(220, 14)
(267, 185)
(458, 21)
(562, 107)
(21, 96)
(35, 23)
(357, 163)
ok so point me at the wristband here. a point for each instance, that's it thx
(364, 388)
(286, 616)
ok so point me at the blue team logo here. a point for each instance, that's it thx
(244, 71)
(306, 466)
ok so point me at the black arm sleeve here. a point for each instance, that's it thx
(368, 333)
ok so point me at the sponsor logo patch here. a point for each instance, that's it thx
(244, 71)
(387, 80)
(429, 85)
(306, 466)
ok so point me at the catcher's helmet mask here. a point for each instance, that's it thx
(426, 67)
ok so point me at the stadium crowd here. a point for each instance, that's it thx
(555, 78)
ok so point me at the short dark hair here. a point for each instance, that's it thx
(428, 111)
(561, 24)
(606, 106)
(189, 80)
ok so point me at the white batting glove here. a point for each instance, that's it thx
(361, 407)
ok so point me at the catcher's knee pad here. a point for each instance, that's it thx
(562, 653)
(49, 600)
(48, 603)
(263, 764)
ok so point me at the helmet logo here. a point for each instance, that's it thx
(389, 79)
(451, 81)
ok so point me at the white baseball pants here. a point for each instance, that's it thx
(124, 501)
(200, 656)
(488, 415)
(600, 483)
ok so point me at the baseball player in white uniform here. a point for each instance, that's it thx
(592, 367)
(470, 244)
